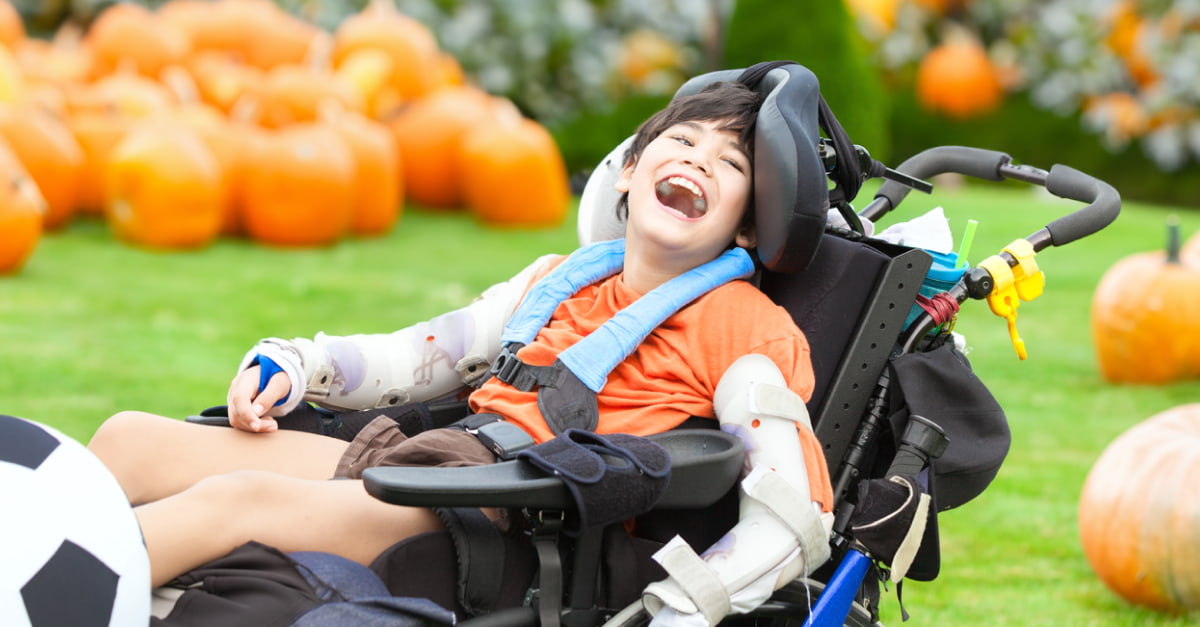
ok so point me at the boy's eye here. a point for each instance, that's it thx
(683, 139)
(736, 165)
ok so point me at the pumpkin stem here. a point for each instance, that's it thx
(1173, 240)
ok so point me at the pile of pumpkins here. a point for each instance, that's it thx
(1145, 323)
(233, 117)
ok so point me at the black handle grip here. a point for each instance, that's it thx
(923, 440)
(976, 162)
(1104, 203)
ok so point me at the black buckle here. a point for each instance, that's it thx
(510, 369)
(506, 365)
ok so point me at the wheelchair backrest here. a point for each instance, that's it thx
(851, 303)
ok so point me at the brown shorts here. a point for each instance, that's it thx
(381, 443)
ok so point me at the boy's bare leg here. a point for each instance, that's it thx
(221, 513)
(153, 457)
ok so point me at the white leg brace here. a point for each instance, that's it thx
(780, 535)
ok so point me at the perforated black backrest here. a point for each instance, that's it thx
(851, 303)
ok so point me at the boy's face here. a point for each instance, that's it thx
(688, 192)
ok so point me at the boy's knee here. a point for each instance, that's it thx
(240, 490)
(115, 433)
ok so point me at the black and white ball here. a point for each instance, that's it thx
(71, 551)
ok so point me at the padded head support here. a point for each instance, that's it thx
(791, 193)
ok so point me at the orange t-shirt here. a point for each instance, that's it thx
(673, 374)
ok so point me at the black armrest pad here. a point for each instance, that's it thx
(705, 464)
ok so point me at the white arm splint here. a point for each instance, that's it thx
(425, 361)
(780, 535)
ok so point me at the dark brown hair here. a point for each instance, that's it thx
(732, 104)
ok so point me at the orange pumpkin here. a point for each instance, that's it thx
(12, 28)
(97, 132)
(221, 79)
(51, 155)
(125, 92)
(1190, 252)
(204, 22)
(1145, 325)
(295, 93)
(129, 34)
(297, 188)
(958, 78)
(21, 211)
(13, 84)
(515, 174)
(647, 56)
(1138, 512)
(163, 187)
(62, 62)
(409, 43)
(429, 133)
(368, 72)
(220, 136)
(379, 182)
(282, 39)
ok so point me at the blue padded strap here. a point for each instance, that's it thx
(593, 357)
(582, 268)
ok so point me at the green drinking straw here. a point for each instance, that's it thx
(964, 245)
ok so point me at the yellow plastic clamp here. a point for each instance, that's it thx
(1003, 299)
(1027, 278)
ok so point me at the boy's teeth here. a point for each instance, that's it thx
(682, 195)
(686, 184)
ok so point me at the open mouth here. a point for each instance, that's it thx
(682, 195)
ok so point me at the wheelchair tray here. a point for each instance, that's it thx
(705, 465)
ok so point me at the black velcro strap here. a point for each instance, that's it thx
(612, 477)
(479, 550)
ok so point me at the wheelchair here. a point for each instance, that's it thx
(893, 396)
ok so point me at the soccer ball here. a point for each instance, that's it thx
(71, 551)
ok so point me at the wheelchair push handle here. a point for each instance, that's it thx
(1103, 203)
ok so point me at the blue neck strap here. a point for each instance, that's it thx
(593, 357)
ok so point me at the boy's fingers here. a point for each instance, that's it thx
(278, 387)
(241, 400)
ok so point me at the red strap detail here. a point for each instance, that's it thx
(941, 306)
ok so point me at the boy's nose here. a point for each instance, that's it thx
(699, 164)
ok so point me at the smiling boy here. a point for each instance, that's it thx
(201, 492)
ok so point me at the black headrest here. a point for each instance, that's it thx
(791, 190)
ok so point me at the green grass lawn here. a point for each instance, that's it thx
(92, 326)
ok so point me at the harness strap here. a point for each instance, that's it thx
(594, 357)
(550, 571)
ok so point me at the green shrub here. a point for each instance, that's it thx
(821, 36)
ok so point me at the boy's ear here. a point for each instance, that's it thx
(746, 237)
(626, 176)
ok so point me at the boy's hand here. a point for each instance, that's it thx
(248, 406)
